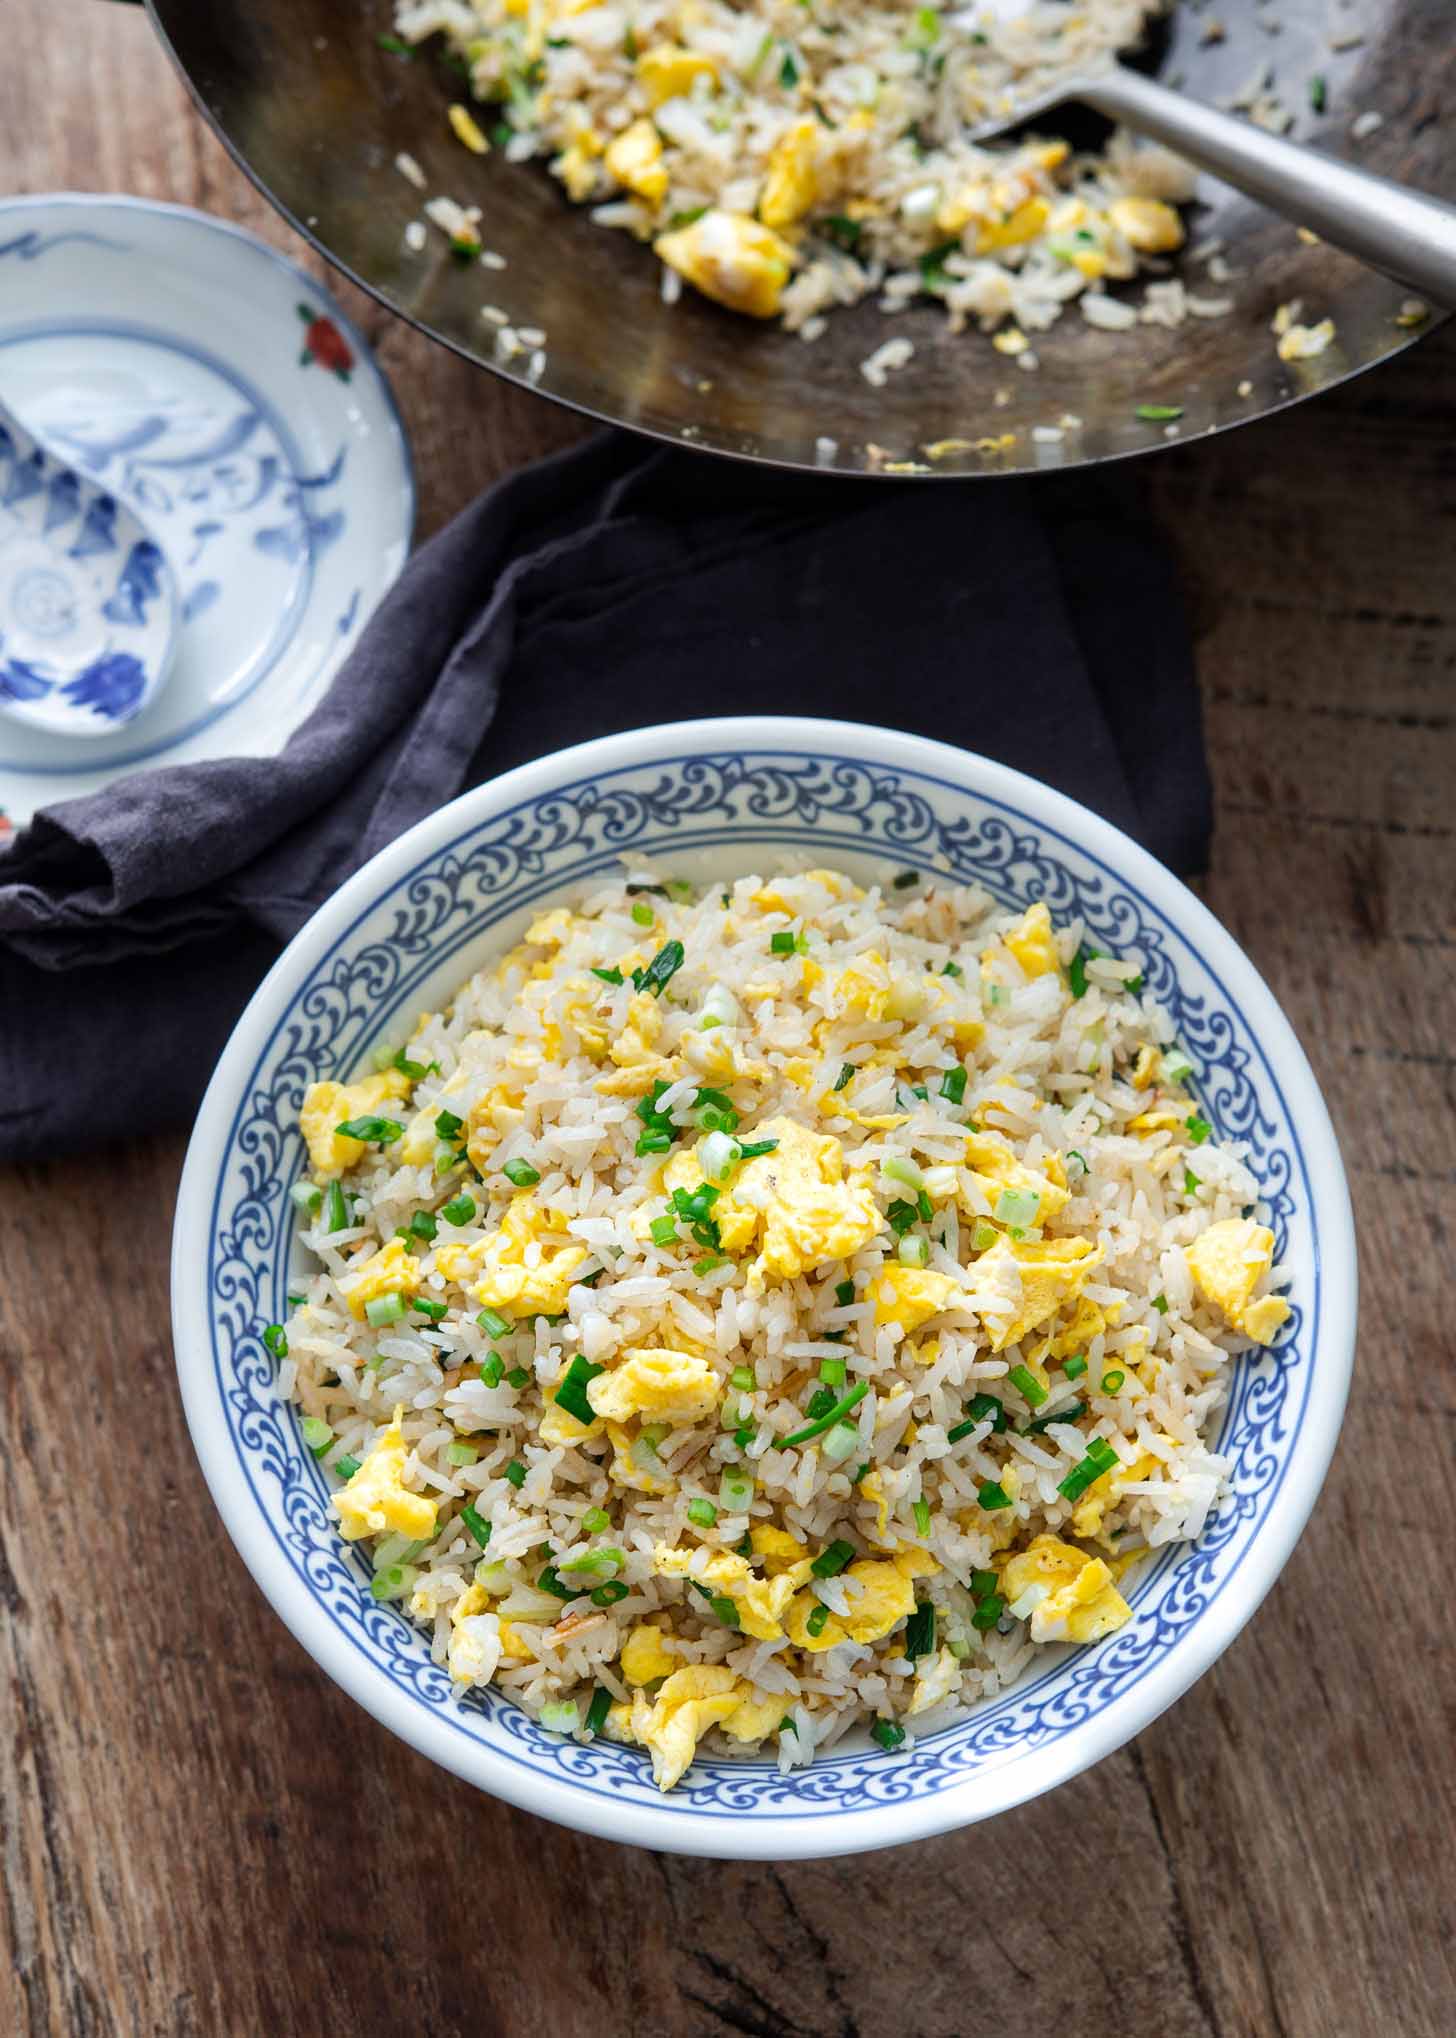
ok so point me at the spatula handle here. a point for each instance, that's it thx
(1402, 232)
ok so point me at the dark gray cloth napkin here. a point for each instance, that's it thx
(610, 587)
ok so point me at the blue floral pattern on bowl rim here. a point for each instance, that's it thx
(407, 947)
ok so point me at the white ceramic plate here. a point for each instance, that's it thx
(200, 376)
(724, 798)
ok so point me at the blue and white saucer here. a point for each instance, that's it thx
(202, 378)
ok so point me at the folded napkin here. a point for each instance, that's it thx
(610, 587)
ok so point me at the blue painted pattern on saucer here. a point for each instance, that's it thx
(724, 812)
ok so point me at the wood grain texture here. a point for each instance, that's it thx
(201, 1835)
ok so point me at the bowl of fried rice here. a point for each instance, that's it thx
(764, 1287)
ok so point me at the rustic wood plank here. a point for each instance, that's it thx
(201, 1835)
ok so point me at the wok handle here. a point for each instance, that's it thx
(1399, 231)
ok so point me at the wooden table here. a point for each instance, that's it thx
(202, 1835)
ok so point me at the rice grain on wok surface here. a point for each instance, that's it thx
(788, 156)
(757, 1309)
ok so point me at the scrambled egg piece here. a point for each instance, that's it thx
(936, 1682)
(996, 1168)
(1227, 1262)
(775, 1548)
(672, 1386)
(634, 158)
(808, 1212)
(754, 1717)
(1082, 1602)
(872, 1487)
(474, 1648)
(390, 1271)
(666, 72)
(644, 1659)
(789, 185)
(736, 1222)
(887, 1598)
(559, 1426)
(626, 1469)
(326, 1105)
(1032, 942)
(551, 930)
(1087, 1518)
(691, 1702)
(761, 1602)
(1152, 226)
(910, 1296)
(376, 1498)
(1051, 1271)
(508, 1281)
(732, 259)
(635, 1043)
(1024, 224)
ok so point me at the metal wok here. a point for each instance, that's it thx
(316, 111)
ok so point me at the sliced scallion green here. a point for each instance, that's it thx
(991, 1495)
(596, 1712)
(393, 1582)
(608, 1594)
(826, 1421)
(515, 1472)
(1076, 1366)
(921, 1512)
(1027, 1386)
(307, 1196)
(383, 1309)
(832, 1560)
(920, 1631)
(477, 1524)
(701, 1512)
(493, 1323)
(889, 1736)
(317, 1434)
(336, 1211)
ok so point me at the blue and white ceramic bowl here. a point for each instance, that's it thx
(726, 797)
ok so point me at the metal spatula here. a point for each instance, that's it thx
(1401, 232)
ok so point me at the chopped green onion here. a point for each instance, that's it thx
(595, 1520)
(831, 1561)
(842, 1442)
(653, 1142)
(635, 891)
(781, 943)
(491, 1369)
(521, 1173)
(608, 976)
(920, 1631)
(493, 1323)
(914, 1252)
(1070, 1413)
(997, 994)
(1190, 1182)
(643, 914)
(1112, 1381)
(818, 1620)
(844, 1294)
(702, 1512)
(988, 1612)
(952, 969)
(826, 1421)
(421, 1226)
(384, 1309)
(832, 1372)
(424, 1305)
(596, 1712)
(597, 1561)
(735, 1489)
(477, 1524)
(719, 1155)
(1177, 1068)
(459, 1210)
(1197, 1129)
(663, 1230)
(560, 1716)
(889, 1736)
(983, 1584)
(371, 1131)
(846, 1072)
(1099, 1461)
(1077, 969)
(663, 967)
(858, 1474)
(393, 1582)
(307, 1196)
(551, 1581)
(742, 1377)
(901, 1215)
(275, 1340)
(921, 1512)
(448, 1126)
(518, 1378)
(1018, 1207)
(347, 1466)
(898, 1168)
(953, 1085)
(708, 1263)
(991, 1494)
(571, 1394)
(905, 878)
(1158, 413)
(983, 1405)
(610, 1593)
(983, 1236)
(752, 1149)
(726, 1609)
(1160, 1303)
(1076, 1366)
(961, 1429)
(515, 1472)
(336, 1215)
(317, 1434)
(1318, 93)
(1027, 1385)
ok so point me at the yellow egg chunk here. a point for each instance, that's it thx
(935, 1683)
(887, 1597)
(474, 1648)
(1018, 227)
(775, 1548)
(637, 1039)
(808, 1213)
(1081, 1601)
(910, 1296)
(754, 1717)
(691, 1702)
(1227, 1263)
(376, 1500)
(864, 985)
(872, 1487)
(990, 1159)
(1032, 942)
(670, 1386)
(1152, 226)
(390, 1271)
(732, 259)
(644, 1659)
(1050, 1271)
(559, 1426)
(508, 1281)
(328, 1105)
(789, 185)
(627, 1469)
(761, 1602)
(634, 158)
(667, 72)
